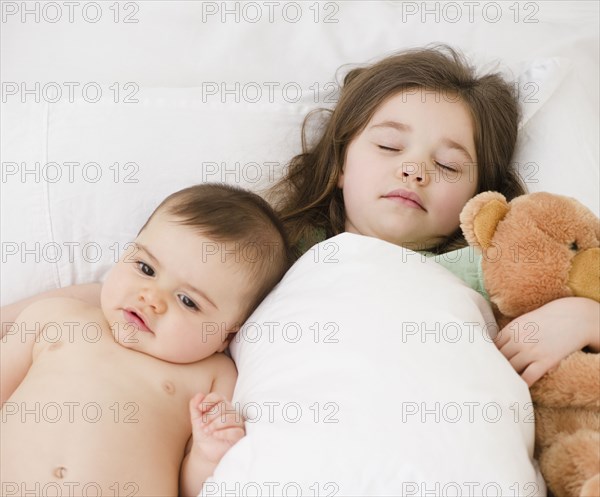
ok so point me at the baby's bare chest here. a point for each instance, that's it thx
(79, 369)
(98, 411)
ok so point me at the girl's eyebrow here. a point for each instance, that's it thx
(405, 127)
(393, 124)
(457, 146)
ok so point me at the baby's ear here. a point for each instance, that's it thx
(226, 342)
(480, 217)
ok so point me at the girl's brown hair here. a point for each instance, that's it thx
(307, 198)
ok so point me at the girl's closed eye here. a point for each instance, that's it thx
(444, 166)
(389, 149)
(144, 268)
(189, 303)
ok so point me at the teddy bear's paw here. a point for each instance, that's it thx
(571, 463)
(591, 488)
(574, 383)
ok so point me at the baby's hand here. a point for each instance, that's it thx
(216, 425)
(537, 341)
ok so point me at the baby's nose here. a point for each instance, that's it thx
(154, 299)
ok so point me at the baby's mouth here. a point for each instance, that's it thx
(132, 317)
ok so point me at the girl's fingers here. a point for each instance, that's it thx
(533, 373)
(502, 337)
(520, 362)
(510, 350)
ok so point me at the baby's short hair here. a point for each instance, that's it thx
(230, 215)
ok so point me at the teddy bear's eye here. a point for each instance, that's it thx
(574, 246)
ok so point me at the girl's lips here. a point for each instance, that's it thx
(406, 201)
(132, 318)
(406, 197)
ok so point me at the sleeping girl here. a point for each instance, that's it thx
(412, 138)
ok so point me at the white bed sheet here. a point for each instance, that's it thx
(182, 129)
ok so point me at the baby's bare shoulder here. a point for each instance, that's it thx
(213, 365)
(224, 375)
(47, 309)
(220, 363)
(215, 368)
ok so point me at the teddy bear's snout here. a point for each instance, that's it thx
(584, 276)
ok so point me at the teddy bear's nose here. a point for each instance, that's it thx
(584, 276)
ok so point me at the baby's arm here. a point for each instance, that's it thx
(16, 347)
(537, 341)
(216, 427)
(89, 293)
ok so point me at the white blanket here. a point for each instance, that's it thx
(370, 370)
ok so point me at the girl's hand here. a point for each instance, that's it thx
(536, 342)
(216, 425)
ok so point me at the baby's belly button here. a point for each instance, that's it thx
(98, 484)
(88, 476)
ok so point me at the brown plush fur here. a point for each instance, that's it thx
(538, 248)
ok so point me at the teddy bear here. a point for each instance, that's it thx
(537, 248)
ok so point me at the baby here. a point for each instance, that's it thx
(132, 397)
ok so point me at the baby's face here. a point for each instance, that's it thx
(175, 294)
(418, 144)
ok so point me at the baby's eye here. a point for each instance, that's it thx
(144, 268)
(186, 301)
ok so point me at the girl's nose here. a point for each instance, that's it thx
(415, 171)
(153, 299)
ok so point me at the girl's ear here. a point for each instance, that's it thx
(340, 182)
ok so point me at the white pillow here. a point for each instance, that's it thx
(174, 129)
(74, 220)
(340, 362)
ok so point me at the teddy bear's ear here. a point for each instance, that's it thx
(481, 215)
